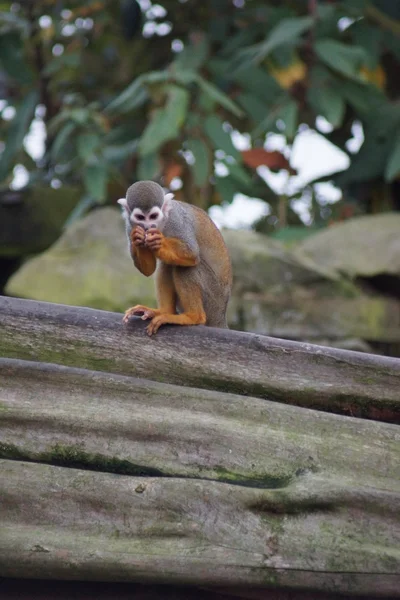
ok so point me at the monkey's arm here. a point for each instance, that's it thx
(143, 258)
(172, 251)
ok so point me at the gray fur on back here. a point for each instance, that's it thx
(210, 274)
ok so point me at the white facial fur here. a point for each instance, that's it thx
(154, 218)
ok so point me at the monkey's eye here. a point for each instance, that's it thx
(153, 216)
(139, 217)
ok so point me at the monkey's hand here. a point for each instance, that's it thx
(143, 257)
(154, 239)
(138, 237)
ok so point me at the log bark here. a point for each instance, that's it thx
(107, 477)
(329, 379)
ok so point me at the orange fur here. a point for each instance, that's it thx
(175, 252)
(182, 319)
(144, 260)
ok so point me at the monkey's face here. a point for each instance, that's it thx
(145, 216)
(152, 218)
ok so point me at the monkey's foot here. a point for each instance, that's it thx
(140, 311)
(198, 318)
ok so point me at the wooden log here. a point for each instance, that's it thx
(33, 589)
(169, 484)
(329, 379)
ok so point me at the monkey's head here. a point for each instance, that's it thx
(146, 205)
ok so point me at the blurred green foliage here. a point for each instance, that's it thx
(131, 90)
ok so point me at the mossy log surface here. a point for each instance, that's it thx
(106, 477)
(301, 374)
(115, 474)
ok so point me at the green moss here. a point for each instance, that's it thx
(11, 452)
(75, 457)
(347, 288)
(373, 313)
(260, 480)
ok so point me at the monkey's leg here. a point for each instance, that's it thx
(165, 289)
(189, 294)
(166, 297)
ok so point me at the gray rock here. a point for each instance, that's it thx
(261, 263)
(361, 247)
(88, 266)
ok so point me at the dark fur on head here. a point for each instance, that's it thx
(144, 195)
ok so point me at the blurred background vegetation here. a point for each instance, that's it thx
(288, 105)
(121, 90)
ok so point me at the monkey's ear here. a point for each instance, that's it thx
(123, 202)
(167, 205)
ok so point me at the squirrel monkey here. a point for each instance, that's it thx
(194, 274)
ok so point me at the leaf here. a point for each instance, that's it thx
(240, 175)
(185, 76)
(392, 170)
(16, 132)
(289, 114)
(119, 153)
(340, 57)
(365, 99)
(274, 113)
(221, 140)
(166, 122)
(57, 120)
(218, 96)
(58, 145)
(71, 60)
(148, 166)
(87, 144)
(325, 98)
(328, 103)
(274, 160)
(80, 115)
(95, 180)
(287, 31)
(254, 107)
(202, 160)
(370, 38)
(193, 55)
(227, 188)
(12, 58)
(256, 80)
(136, 94)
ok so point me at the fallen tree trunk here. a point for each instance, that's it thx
(295, 373)
(168, 484)
(108, 477)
